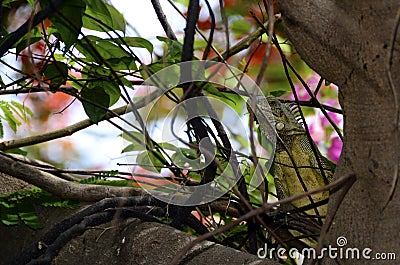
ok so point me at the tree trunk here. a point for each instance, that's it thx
(355, 45)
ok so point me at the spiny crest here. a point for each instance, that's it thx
(294, 109)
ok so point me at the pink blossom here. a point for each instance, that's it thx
(335, 117)
(317, 131)
(335, 149)
(301, 92)
(332, 102)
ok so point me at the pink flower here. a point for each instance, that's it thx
(335, 117)
(302, 93)
(335, 149)
(315, 127)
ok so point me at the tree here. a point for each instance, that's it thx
(362, 52)
(358, 52)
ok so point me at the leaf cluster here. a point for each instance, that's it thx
(20, 206)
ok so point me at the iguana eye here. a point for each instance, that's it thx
(279, 126)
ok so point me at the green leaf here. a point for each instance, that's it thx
(9, 219)
(235, 101)
(131, 148)
(137, 141)
(122, 63)
(69, 23)
(278, 93)
(57, 73)
(182, 2)
(111, 88)
(95, 95)
(16, 151)
(152, 68)
(107, 50)
(8, 2)
(149, 161)
(133, 136)
(31, 219)
(168, 146)
(240, 27)
(95, 72)
(21, 110)
(165, 79)
(31, 2)
(186, 156)
(117, 18)
(105, 13)
(20, 206)
(137, 42)
(211, 89)
(174, 50)
(9, 117)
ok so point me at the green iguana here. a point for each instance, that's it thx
(294, 151)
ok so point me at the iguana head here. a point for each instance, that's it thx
(285, 116)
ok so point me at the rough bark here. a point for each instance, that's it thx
(351, 43)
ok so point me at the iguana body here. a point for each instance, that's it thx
(294, 150)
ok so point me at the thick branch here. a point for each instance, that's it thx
(60, 187)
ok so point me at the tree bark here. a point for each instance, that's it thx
(355, 45)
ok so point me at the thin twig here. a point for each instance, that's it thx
(264, 64)
(226, 25)
(211, 36)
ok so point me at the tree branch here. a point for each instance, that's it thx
(60, 187)
(241, 45)
(163, 20)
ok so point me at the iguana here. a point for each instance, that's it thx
(294, 151)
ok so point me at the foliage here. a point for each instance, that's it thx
(104, 179)
(14, 113)
(19, 206)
